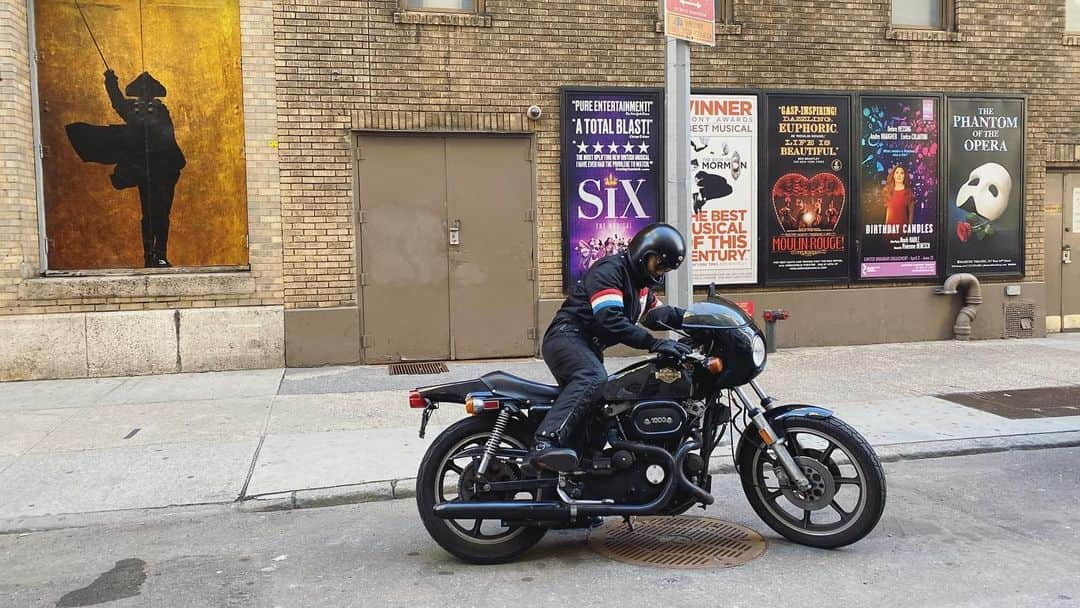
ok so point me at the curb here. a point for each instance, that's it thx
(395, 489)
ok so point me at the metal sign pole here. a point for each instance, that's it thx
(679, 289)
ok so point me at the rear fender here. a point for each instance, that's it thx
(453, 392)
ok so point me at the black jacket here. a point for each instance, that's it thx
(607, 303)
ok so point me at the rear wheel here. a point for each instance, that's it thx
(448, 476)
(847, 494)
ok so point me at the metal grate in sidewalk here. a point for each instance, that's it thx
(412, 369)
(1027, 403)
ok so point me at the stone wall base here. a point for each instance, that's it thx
(96, 344)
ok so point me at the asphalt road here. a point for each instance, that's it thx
(990, 530)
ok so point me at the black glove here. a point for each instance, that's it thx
(670, 348)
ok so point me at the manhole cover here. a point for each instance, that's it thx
(412, 369)
(678, 542)
(1026, 403)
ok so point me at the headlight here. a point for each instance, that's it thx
(758, 346)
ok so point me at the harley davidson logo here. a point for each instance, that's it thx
(668, 375)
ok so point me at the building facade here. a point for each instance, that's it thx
(364, 181)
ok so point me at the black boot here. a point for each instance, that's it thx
(547, 454)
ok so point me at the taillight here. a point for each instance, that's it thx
(416, 400)
(715, 365)
(476, 405)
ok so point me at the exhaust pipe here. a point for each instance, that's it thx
(972, 299)
(507, 510)
(561, 512)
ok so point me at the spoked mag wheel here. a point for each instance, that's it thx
(449, 474)
(847, 494)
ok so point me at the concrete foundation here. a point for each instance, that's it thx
(322, 336)
(140, 342)
(872, 315)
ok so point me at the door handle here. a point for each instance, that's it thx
(1066, 254)
(455, 232)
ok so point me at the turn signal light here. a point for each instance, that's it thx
(715, 365)
(476, 405)
(765, 437)
(417, 401)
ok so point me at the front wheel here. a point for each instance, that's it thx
(847, 494)
(448, 473)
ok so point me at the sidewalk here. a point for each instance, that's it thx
(307, 437)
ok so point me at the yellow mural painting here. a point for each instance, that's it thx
(143, 133)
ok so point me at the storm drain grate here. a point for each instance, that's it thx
(1048, 402)
(1019, 320)
(678, 542)
(412, 369)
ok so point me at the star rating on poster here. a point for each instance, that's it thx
(611, 147)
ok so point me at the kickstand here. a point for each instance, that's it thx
(629, 522)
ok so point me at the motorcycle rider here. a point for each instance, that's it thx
(603, 309)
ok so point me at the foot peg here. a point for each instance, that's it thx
(547, 455)
(560, 460)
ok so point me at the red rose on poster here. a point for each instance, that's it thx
(963, 231)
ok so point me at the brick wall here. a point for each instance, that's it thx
(22, 291)
(18, 201)
(340, 59)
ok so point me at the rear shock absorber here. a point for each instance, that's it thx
(494, 440)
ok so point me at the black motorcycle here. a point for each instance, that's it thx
(645, 450)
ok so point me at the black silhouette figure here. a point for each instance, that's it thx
(145, 153)
(711, 186)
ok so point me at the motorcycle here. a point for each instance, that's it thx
(645, 449)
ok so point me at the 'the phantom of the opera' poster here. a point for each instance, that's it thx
(985, 191)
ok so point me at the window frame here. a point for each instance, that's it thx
(725, 12)
(947, 16)
(480, 9)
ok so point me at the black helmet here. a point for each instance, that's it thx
(661, 240)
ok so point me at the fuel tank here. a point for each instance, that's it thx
(649, 380)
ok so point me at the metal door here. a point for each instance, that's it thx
(1070, 253)
(404, 274)
(489, 204)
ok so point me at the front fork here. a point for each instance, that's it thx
(772, 440)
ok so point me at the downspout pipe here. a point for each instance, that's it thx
(972, 298)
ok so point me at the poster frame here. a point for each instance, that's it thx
(760, 158)
(1023, 98)
(764, 203)
(857, 219)
(565, 93)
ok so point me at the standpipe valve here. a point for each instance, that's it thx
(771, 317)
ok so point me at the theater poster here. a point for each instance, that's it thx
(898, 196)
(612, 171)
(985, 187)
(142, 133)
(809, 176)
(723, 166)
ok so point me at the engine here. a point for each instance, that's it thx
(656, 420)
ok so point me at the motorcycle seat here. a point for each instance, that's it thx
(515, 387)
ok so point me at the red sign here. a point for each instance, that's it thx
(748, 307)
(692, 20)
(704, 10)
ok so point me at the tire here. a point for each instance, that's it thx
(859, 457)
(450, 537)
